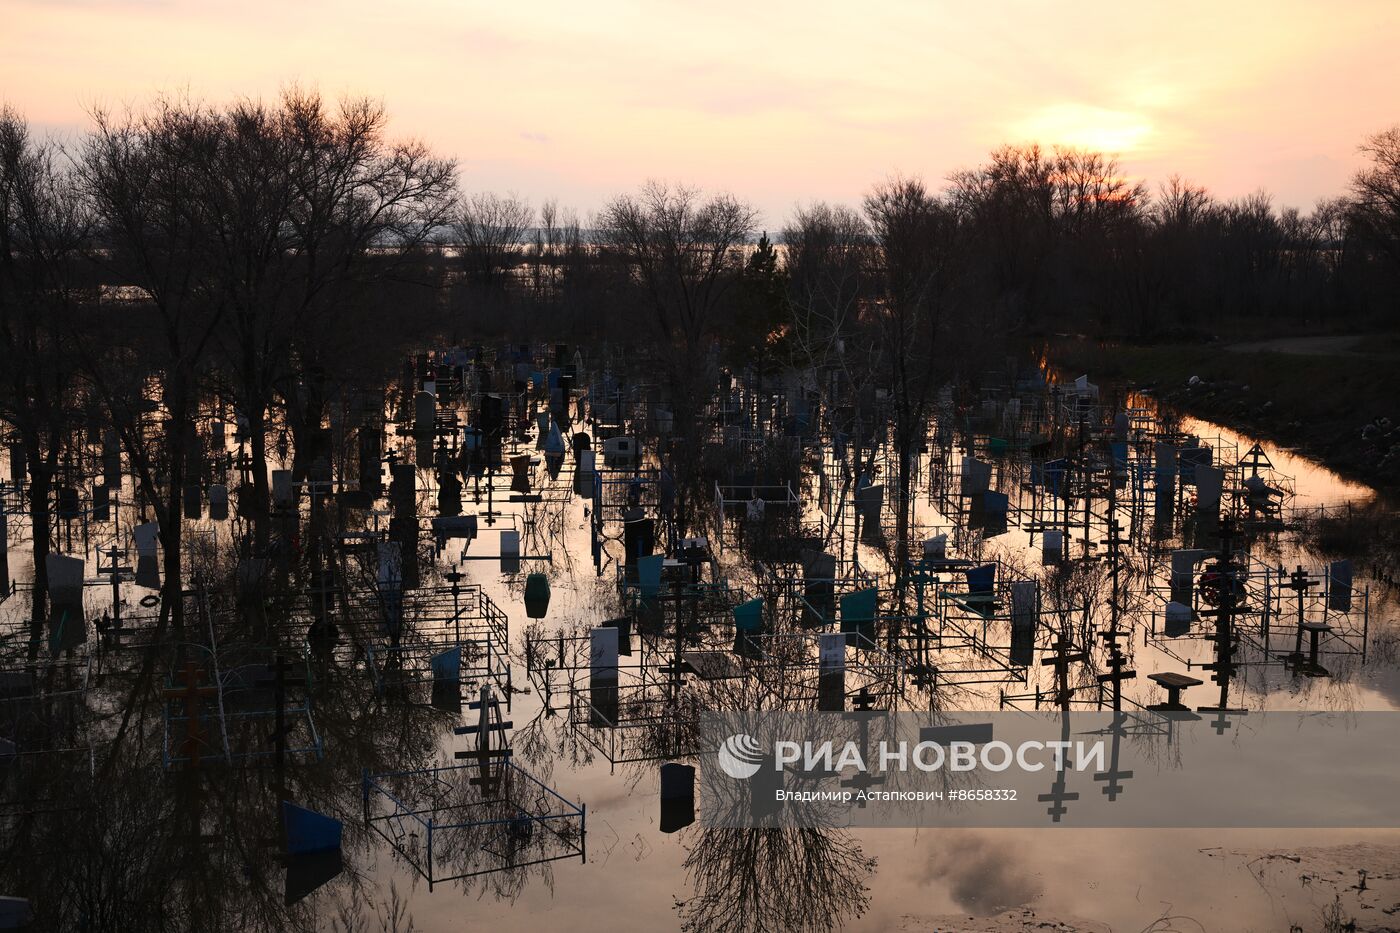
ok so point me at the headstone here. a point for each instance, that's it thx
(447, 666)
(936, 549)
(390, 581)
(870, 498)
(194, 502)
(649, 575)
(147, 570)
(283, 495)
(858, 611)
(981, 582)
(111, 459)
(619, 451)
(1178, 619)
(831, 672)
(638, 538)
(1025, 594)
(67, 624)
(1339, 585)
(68, 506)
(603, 676)
(19, 465)
(976, 477)
(536, 595)
(218, 502)
(748, 625)
(677, 796)
(510, 551)
(424, 412)
(520, 473)
(101, 504)
(1209, 483)
(1183, 578)
(306, 832)
(584, 474)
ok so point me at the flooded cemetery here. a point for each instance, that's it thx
(1010, 551)
(452, 675)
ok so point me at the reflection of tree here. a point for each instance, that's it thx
(774, 879)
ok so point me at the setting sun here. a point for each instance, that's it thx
(1084, 127)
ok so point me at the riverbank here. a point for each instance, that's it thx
(1336, 401)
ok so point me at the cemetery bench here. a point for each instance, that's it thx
(1173, 683)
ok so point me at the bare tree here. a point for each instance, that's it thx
(920, 240)
(491, 231)
(683, 254)
(1375, 190)
(44, 226)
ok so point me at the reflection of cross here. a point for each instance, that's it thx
(192, 695)
(862, 703)
(279, 669)
(1221, 722)
(863, 700)
(1116, 662)
(116, 571)
(1057, 798)
(1299, 582)
(1062, 660)
(1112, 787)
(1058, 794)
(489, 724)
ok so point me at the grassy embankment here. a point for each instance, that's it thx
(1316, 403)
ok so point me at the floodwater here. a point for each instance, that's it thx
(634, 876)
(1129, 879)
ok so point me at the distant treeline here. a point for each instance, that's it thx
(275, 254)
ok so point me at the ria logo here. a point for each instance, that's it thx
(741, 756)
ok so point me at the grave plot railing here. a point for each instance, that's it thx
(446, 828)
(636, 722)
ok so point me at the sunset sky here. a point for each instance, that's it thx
(779, 102)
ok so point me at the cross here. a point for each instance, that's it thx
(488, 725)
(1116, 662)
(1062, 660)
(192, 695)
(1057, 797)
(116, 571)
(1112, 786)
(278, 680)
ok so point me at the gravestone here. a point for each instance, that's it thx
(283, 494)
(1339, 584)
(510, 551)
(858, 611)
(1210, 482)
(603, 676)
(1025, 596)
(147, 570)
(101, 504)
(67, 624)
(194, 502)
(677, 796)
(1183, 575)
(936, 549)
(584, 474)
(818, 588)
(831, 672)
(218, 502)
(976, 477)
(748, 625)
